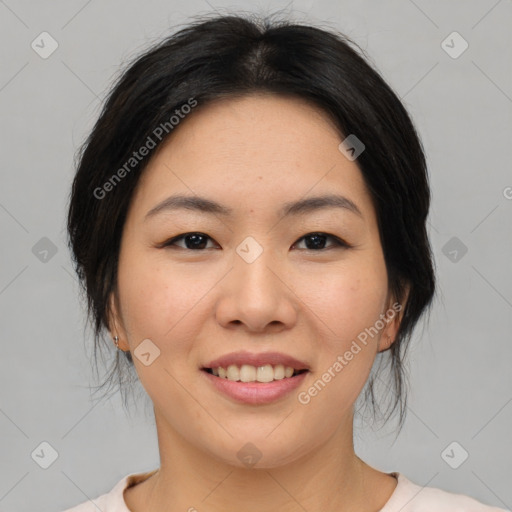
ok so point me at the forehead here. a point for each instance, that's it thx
(257, 151)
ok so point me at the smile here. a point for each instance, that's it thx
(250, 373)
(254, 392)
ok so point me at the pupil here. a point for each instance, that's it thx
(318, 244)
(195, 239)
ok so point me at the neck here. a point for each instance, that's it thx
(328, 478)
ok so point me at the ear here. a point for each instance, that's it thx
(393, 318)
(115, 322)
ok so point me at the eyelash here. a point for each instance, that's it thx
(338, 241)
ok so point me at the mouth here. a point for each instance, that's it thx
(261, 374)
(255, 378)
(251, 385)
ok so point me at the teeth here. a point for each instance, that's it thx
(233, 373)
(245, 374)
(279, 372)
(265, 373)
(249, 373)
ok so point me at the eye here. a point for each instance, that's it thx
(317, 241)
(198, 241)
(193, 241)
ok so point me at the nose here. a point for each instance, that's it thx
(257, 296)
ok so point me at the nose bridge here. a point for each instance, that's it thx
(253, 263)
(256, 295)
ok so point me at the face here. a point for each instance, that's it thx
(308, 283)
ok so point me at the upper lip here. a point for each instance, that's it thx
(261, 359)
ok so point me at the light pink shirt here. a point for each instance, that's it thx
(407, 497)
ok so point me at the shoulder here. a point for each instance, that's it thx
(91, 505)
(410, 497)
(99, 503)
(112, 501)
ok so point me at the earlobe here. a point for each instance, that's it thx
(385, 342)
(390, 333)
(114, 323)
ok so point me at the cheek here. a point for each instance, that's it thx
(162, 302)
(145, 299)
(351, 300)
(344, 313)
(346, 309)
(360, 301)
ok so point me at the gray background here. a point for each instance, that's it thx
(460, 366)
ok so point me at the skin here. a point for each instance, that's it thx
(252, 154)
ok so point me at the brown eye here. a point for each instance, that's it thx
(316, 241)
(192, 241)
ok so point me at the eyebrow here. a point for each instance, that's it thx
(301, 207)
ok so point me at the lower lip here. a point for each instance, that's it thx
(256, 393)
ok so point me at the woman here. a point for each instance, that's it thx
(248, 219)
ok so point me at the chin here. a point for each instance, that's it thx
(258, 452)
